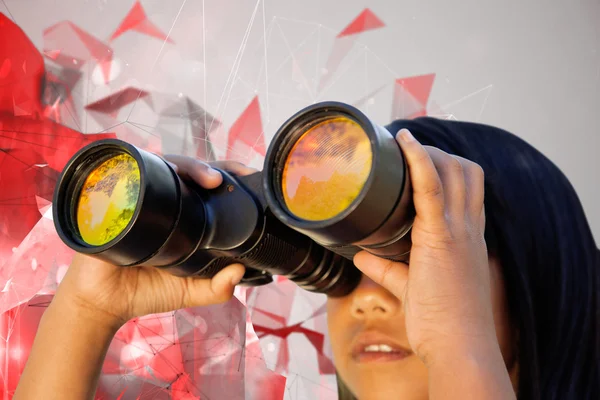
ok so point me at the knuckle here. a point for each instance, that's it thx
(385, 273)
(477, 173)
(477, 170)
(435, 235)
(455, 165)
(434, 190)
(421, 156)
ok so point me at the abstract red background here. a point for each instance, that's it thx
(214, 80)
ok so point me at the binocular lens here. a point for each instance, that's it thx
(333, 183)
(326, 169)
(108, 199)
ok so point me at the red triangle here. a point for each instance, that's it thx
(418, 86)
(148, 28)
(137, 20)
(135, 16)
(98, 50)
(366, 21)
(114, 102)
(248, 129)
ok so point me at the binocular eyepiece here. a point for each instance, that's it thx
(333, 183)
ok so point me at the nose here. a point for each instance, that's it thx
(371, 300)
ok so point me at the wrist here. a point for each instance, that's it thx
(478, 369)
(86, 314)
(474, 349)
(475, 354)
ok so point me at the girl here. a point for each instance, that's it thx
(501, 299)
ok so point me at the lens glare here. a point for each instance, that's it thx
(108, 199)
(326, 169)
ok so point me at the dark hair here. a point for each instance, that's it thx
(537, 229)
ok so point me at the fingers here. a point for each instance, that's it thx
(444, 185)
(475, 180)
(428, 193)
(219, 289)
(196, 170)
(237, 168)
(386, 273)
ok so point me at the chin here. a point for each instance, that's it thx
(400, 392)
(405, 380)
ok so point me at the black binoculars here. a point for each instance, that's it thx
(333, 183)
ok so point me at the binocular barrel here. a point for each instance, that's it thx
(333, 183)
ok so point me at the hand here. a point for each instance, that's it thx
(446, 291)
(117, 294)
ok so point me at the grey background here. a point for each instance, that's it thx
(529, 66)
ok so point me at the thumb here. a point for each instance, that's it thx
(389, 274)
(218, 289)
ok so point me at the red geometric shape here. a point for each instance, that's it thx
(366, 21)
(17, 331)
(59, 44)
(58, 99)
(21, 71)
(248, 130)
(418, 86)
(32, 152)
(136, 20)
(5, 68)
(113, 103)
(32, 149)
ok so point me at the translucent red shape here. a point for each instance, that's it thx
(33, 149)
(345, 40)
(365, 21)
(411, 96)
(112, 104)
(68, 44)
(248, 130)
(136, 20)
(21, 72)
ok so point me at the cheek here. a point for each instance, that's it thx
(339, 325)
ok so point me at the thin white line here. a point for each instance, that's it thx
(266, 61)
(205, 105)
(296, 48)
(339, 75)
(381, 61)
(484, 104)
(238, 56)
(245, 42)
(466, 97)
(318, 71)
(158, 55)
(294, 60)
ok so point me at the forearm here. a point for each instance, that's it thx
(67, 354)
(475, 374)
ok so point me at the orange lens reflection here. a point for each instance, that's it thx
(326, 169)
(108, 199)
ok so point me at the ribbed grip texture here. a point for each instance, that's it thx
(270, 252)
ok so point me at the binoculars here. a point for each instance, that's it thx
(333, 183)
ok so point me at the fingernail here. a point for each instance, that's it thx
(172, 165)
(213, 172)
(406, 136)
(236, 279)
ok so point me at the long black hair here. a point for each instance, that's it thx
(537, 229)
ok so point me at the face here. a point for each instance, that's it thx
(372, 316)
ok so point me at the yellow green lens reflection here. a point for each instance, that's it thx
(326, 169)
(108, 199)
